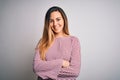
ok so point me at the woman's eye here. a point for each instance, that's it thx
(51, 21)
(58, 19)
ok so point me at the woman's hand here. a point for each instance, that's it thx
(65, 64)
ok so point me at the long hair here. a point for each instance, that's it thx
(48, 35)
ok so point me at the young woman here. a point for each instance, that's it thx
(57, 55)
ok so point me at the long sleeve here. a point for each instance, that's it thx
(46, 69)
(75, 61)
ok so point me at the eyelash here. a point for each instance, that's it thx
(56, 19)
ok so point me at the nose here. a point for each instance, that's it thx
(54, 23)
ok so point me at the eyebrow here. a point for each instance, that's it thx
(57, 17)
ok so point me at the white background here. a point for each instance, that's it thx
(95, 22)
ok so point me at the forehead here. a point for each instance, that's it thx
(55, 14)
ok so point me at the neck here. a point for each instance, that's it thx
(60, 35)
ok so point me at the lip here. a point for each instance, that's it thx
(56, 27)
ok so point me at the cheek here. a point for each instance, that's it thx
(50, 24)
(62, 23)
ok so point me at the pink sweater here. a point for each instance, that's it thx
(64, 48)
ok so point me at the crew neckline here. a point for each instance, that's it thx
(63, 37)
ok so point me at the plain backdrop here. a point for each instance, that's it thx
(95, 22)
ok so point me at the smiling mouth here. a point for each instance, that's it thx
(56, 27)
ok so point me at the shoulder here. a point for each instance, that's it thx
(74, 38)
(75, 42)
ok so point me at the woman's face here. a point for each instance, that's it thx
(56, 22)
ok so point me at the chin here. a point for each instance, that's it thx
(57, 31)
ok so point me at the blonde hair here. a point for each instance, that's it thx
(48, 35)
